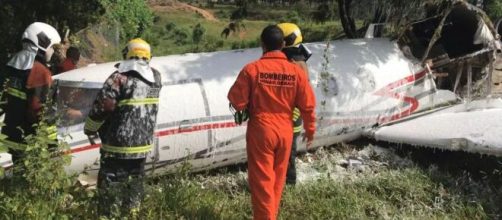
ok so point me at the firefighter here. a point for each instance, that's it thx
(124, 115)
(298, 54)
(27, 85)
(268, 90)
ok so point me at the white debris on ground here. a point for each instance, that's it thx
(344, 163)
(340, 163)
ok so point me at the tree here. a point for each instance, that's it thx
(393, 12)
(346, 18)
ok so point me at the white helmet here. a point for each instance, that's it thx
(42, 35)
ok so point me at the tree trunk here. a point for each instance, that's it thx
(348, 24)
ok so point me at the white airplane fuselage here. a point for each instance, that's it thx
(358, 84)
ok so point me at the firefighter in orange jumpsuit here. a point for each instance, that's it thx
(269, 89)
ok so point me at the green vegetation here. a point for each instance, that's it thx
(494, 9)
(397, 192)
(134, 16)
(401, 193)
(39, 186)
(172, 33)
(3, 149)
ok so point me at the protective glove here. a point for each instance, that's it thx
(92, 138)
(239, 116)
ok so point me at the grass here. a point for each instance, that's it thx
(393, 191)
(397, 194)
(3, 149)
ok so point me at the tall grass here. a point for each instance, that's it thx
(391, 192)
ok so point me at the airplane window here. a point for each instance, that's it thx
(74, 104)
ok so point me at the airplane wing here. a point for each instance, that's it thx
(473, 127)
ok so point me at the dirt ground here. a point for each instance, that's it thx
(170, 5)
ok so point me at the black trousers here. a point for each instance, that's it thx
(291, 173)
(120, 186)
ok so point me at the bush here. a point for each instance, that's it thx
(170, 26)
(198, 33)
(180, 36)
(134, 16)
(40, 188)
(253, 43)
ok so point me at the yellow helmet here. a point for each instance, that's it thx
(292, 34)
(137, 48)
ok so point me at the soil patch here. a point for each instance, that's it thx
(169, 5)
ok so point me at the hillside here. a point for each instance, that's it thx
(173, 27)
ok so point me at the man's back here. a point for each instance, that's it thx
(275, 86)
(269, 89)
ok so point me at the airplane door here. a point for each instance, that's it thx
(180, 129)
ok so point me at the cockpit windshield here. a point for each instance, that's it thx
(74, 104)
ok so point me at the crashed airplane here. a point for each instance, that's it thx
(429, 87)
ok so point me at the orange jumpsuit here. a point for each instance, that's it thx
(270, 88)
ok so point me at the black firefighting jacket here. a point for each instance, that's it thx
(24, 93)
(297, 54)
(124, 114)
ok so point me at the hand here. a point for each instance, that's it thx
(92, 138)
(309, 138)
(74, 114)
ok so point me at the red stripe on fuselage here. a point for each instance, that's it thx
(84, 148)
(387, 92)
(168, 132)
(196, 128)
